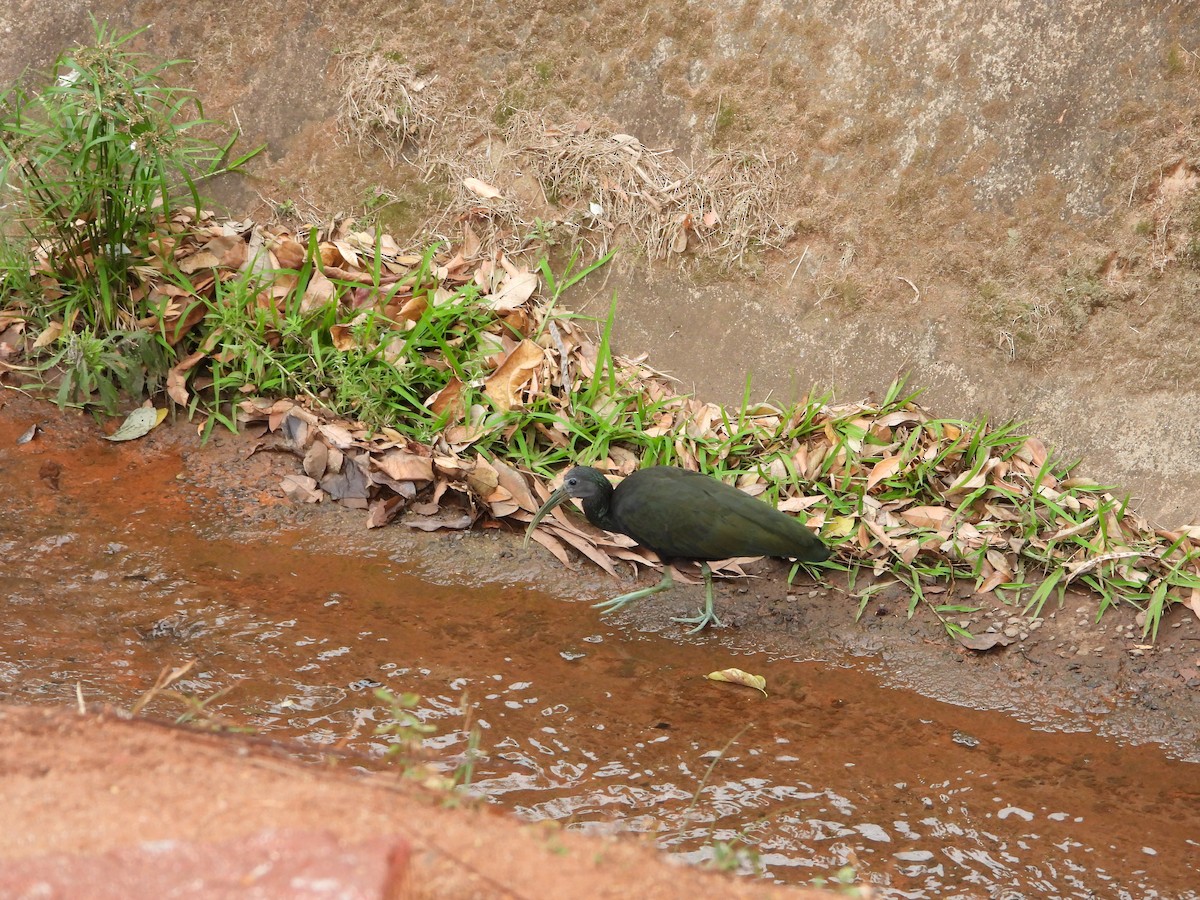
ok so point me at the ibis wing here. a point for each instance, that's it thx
(696, 517)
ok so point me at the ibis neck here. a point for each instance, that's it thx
(598, 512)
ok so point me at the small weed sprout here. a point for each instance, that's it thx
(404, 730)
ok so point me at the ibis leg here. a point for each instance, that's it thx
(611, 606)
(706, 616)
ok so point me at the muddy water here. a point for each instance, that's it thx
(115, 568)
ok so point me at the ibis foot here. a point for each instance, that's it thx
(706, 616)
(611, 606)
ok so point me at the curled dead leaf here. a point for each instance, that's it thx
(505, 384)
(342, 337)
(177, 377)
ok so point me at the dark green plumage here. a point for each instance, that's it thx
(685, 515)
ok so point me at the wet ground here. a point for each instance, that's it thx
(121, 559)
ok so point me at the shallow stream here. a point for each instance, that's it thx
(115, 568)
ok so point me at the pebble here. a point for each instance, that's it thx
(1012, 631)
(1035, 624)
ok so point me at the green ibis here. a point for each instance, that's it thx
(681, 514)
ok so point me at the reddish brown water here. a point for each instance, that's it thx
(123, 569)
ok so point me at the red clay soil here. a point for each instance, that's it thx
(99, 806)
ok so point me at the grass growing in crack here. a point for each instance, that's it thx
(196, 711)
(406, 733)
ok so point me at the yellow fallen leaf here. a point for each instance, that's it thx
(737, 676)
(840, 526)
(138, 424)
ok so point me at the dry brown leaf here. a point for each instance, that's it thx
(993, 581)
(342, 337)
(551, 543)
(48, 336)
(177, 377)
(514, 291)
(501, 503)
(483, 479)
(404, 466)
(1033, 452)
(452, 519)
(224, 251)
(505, 384)
(480, 188)
(336, 435)
(470, 241)
(288, 253)
(448, 401)
(412, 309)
(934, 517)
(885, 468)
(380, 512)
(986, 641)
(514, 482)
(586, 547)
(316, 460)
(891, 420)
(319, 292)
(301, 489)
(1193, 602)
(348, 253)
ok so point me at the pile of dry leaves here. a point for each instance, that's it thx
(889, 487)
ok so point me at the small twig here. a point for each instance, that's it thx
(799, 263)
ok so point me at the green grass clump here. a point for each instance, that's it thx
(96, 156)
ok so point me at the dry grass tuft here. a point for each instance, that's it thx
(384, 102)
(608, 190)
